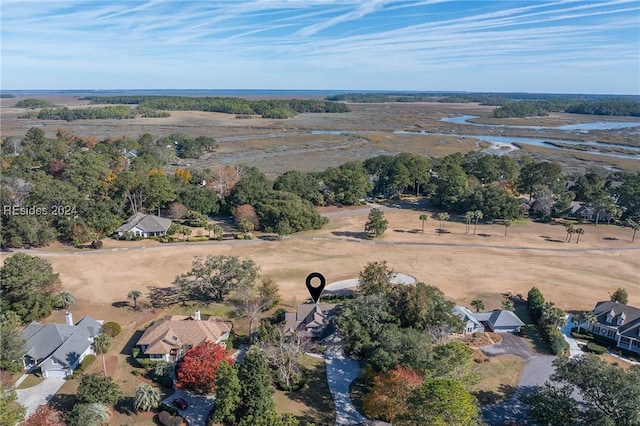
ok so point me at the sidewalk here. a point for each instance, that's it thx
(574, 349)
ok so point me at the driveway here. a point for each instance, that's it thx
(199, 407)
(341, 371)
(39, 394)
(535, 373)
(511, 344)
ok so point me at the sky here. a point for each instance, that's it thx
(562, 46)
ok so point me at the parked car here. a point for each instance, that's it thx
(180, 403)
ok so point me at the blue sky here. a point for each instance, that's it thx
(561, 46)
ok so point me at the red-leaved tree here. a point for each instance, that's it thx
(196, 371)
(389, 393)
(45, 415)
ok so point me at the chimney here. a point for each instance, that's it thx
(68, 316)
(197, 316)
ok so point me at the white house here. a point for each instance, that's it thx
(495, 321)
(145, 225)
(57, 349)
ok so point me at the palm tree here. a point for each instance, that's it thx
(590, 318)
(133, 295)
(478, 304)
(100, 345)
(552, 315)
(146, 398)
(579, 231)
(579, 318)
(442, 217)
(507, 223)
(507, 305)
(217, 230)
(477, 215)
(95, 413)
(66, 299)
(209, 227)
(186, 231)
(468, 217)
(570, 231)
(423, 218)
(633, 225)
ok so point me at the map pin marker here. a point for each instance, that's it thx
(315, 292)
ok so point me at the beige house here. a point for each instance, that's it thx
(169, 338)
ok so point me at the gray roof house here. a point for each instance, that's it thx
(310, 319)
(145, 225)
(495, 321)
(471, 324)
(57, 349)
(618, 322)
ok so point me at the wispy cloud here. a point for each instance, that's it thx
(285, 41)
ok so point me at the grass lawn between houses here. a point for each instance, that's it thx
(313, 403)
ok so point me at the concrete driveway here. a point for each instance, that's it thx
(341, 371)
(199, 407)
(39, 394)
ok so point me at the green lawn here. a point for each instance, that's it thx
(312, 403)
(30, 381)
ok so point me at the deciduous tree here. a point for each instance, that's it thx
(27, 285)
(45, 415)
(375, 278)
(216, 276)
(196, 372)
(376, 223)
(388, 395)
(11, 347)
(620, 296)
(440, 402)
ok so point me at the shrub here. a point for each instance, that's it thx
(165, 418)
(577, 335)
(96, 244)
(557, 342)
(202, 238)
(112, 329)
(87, 361)
(596, 349)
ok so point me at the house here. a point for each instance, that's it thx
(471, 324)
(169, 338)
(57, 349)
(586, 211)
(311, 319)
(144, 225)
(495, 321)
(618, 322)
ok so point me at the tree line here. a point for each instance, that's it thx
(271, 108)
(612, 107)
(110, 112)
(83, 188)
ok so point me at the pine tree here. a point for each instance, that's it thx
(255, 385)
(227, 394)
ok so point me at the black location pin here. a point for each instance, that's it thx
(315, 292)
